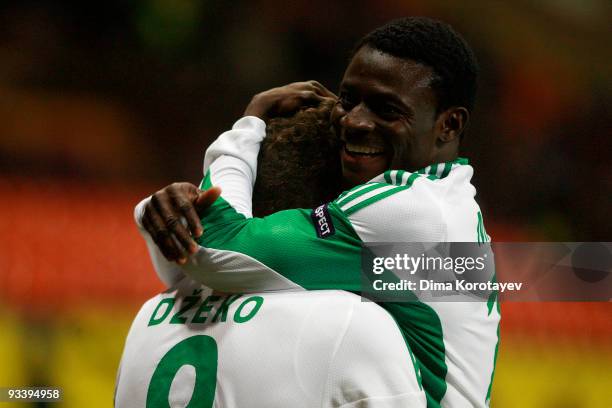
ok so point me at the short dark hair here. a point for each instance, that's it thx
(299, 162)
(434, 44)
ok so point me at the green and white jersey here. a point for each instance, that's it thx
(192, 347)
(454, 343)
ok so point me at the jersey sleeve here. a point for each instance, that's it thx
(231, 162)
(232, 158)
(281, 251)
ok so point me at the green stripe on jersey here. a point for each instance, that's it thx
(488, 397)
(422, 329)
(415, 363)
(358, 192)
(478, 231)
(492, 297)
(352, 190)
(373, 199)
(411, 179)
(395, 176)
(433, 169)
(378, 197)
(447, 169)
(399, 176)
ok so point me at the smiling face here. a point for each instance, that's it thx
(386, 116)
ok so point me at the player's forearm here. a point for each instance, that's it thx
(231, 161)
(284, 246)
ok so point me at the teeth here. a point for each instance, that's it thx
(355, 148)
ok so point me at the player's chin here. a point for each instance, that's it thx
(360, 170)
(350, 180)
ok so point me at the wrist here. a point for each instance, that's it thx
(258, 107)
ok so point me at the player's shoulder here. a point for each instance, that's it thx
(363, 315)
(393, 189)
(373, 342)
(337, 302)
(390, 190)
(406, 209)
(400, 205)
(348, 318)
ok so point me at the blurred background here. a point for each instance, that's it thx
(102, 104)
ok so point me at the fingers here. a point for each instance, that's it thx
(171, 217)
(155, 226)
(162, 218)
(309, 93)
(207, 198)
(185, 205)
(296, 100)
(286, 100)
(313, 90)
(310, 98)
(321, 90)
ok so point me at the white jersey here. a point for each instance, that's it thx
(454, 343)
(192, 347)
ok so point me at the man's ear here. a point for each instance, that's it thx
(451, 123)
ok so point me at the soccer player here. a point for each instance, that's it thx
(190, 346)
(404, 103)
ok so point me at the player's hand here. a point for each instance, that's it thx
(288, 99)
(162, 218)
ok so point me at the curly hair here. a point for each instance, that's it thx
(436, 45)
(299, 162)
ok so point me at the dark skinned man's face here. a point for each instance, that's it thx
(385, 116)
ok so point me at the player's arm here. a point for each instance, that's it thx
(286, 250)
(168, 220)
(311, 249)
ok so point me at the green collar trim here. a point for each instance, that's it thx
(432, 172)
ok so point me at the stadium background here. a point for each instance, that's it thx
(100, 105)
